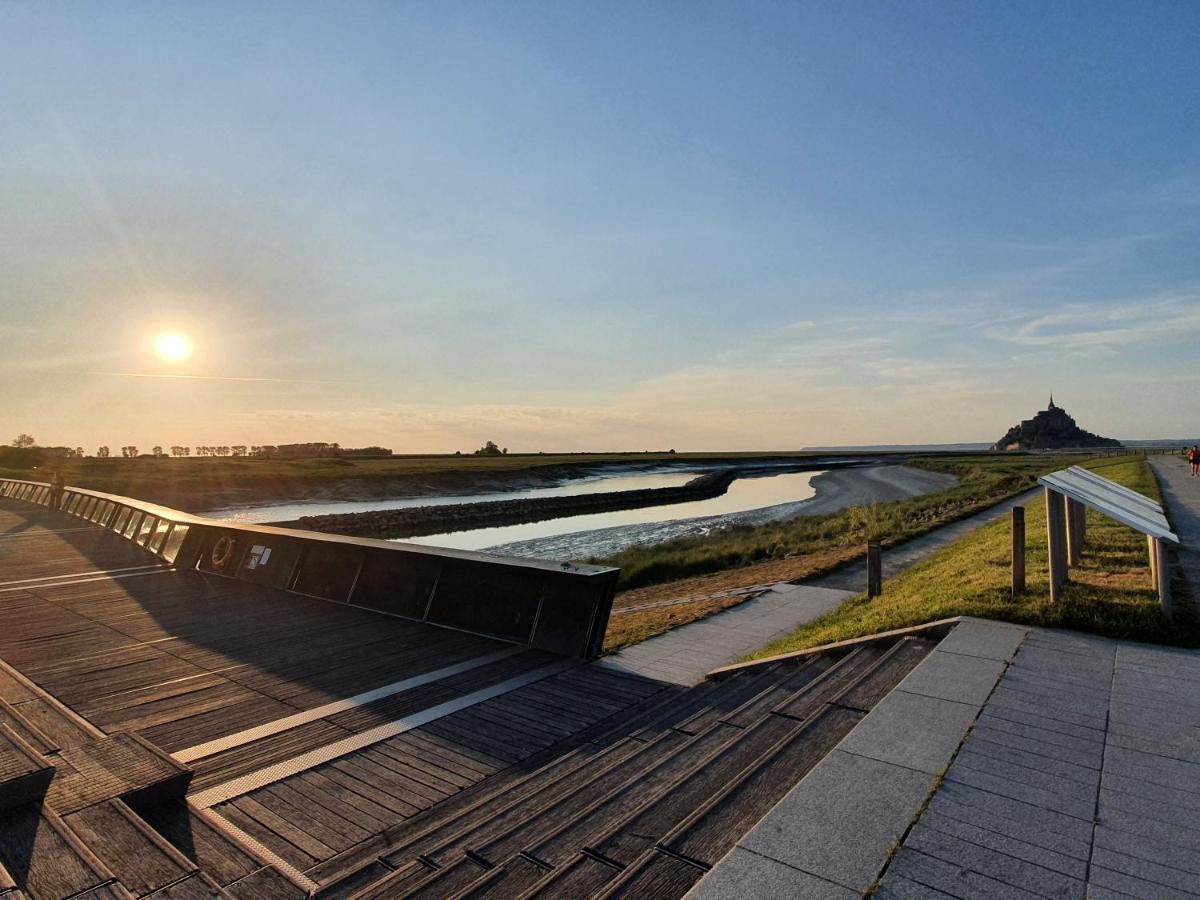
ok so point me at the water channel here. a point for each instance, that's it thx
(743, 495)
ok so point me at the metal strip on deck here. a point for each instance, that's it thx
(305, 761)
(72, 582)
(265, 854)
(73, 575)
(311, 715)
(44, 531)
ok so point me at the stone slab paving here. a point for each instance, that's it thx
(1080, 779)
(1181, 493)
(1069, 768)
(686, 654)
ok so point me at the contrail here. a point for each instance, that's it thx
(218, 378)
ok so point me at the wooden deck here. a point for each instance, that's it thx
(202, 736)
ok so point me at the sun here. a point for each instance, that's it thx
(172, 346)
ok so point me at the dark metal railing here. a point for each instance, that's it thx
(560, 607)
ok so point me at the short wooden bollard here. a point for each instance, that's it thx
(874, 568)
(1163, 571)
(1018, 559)
(1056, 538)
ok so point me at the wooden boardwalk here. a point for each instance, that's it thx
(174, 733)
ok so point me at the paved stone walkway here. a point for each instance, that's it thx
(686, 654)
(1080, 779)
(1181, 492)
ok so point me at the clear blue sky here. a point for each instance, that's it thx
(606, 225)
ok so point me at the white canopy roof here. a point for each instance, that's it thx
(1117, 501)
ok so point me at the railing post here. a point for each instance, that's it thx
(874, 568)
(1018, 548)
(1056, 540)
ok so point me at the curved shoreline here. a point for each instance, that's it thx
(836, 489)
(419, 521)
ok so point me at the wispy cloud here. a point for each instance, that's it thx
(1108, 326)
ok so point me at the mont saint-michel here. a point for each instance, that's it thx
(1051, 429)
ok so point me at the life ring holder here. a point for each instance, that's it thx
(222, 552)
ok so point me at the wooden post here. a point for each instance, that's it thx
(874, 568)
(1018, 542)
(1152, 552)
(1056, 539)
(1163, 571)
(1072, 517)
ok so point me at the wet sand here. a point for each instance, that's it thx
(835, 490)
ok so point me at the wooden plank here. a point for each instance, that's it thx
(582, 877)
(346, 777)
(381, 780)
(809, 699)
(450, 751)
(194, 887)
(281, 825)
(316, 821)
(623, 840)
(657, 875)
(44, 858)
(368, 817)
(267, 836)
(505, 835)
(398, 883)
(264, 884)
(141, 859)
(200, 839)
(874, 685)
(713, 830)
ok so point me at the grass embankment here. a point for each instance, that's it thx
(1108, 594)
(983, 482)
(736, 560)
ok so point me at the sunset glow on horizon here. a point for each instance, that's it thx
(584, 226)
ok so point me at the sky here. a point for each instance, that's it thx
(598, 226)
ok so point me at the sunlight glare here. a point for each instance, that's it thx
(172, 346)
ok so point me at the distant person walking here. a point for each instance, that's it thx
(56, 490)
(1194, 459)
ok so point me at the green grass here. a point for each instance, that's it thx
(984, 480)
(1108, 594)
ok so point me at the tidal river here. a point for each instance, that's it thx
(764, 497)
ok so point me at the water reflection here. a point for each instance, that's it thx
(744, 494)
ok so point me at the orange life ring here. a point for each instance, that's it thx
(222, 552)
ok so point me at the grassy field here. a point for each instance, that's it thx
(1108, 594)
(984, 481)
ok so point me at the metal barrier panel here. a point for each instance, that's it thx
(553, 606)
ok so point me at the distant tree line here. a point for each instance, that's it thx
(24, 452)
